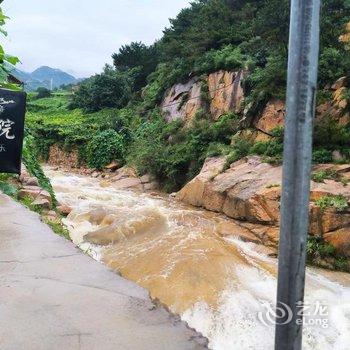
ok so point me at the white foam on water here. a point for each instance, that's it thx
(235, 324)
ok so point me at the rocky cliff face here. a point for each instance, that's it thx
(250, 191)
(182, 101)
(222, 92)
(223, 89)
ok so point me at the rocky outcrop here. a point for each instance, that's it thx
(182, 101)
(225, 95)
(250, 191)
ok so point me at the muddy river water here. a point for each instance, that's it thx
(221, 286)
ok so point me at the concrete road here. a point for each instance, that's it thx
(53, 297)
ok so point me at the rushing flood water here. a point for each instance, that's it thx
(218, 285)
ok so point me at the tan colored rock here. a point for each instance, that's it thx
(339, 83)
(239, 192)
(113, 166)
(151, 186)
(30, 181)
(183, 101)
(193, 192)
(64, 209)
(146, 178)
(272, 116)
(124, 172)
(128, 183)
(226, 92)
(250, 191)
(42, 203)
(340, 239)
(34, 192)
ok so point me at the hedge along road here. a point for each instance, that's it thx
(52, 296)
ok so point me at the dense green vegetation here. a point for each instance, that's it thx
(114, 115)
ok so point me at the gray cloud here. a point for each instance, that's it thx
(80, 36)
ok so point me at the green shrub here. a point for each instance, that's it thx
(322, 156)
(109, 89)
(105, 147)
(332, 65)
(338, 202)
(59, 229)
(175, 154)
(228, 58)
(328, 174)
(218, 149)
(8, 189)
(320, 253)
(329, 135)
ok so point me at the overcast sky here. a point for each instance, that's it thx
(79, 36)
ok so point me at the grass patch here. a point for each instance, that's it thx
(8, 189)
(28, 202)
(328, 174)
(59, 229)
(323, 254)
(338, 202)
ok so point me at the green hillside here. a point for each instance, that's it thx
(118, 109)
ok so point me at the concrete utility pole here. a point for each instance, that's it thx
(301, 90)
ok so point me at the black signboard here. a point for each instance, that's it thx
(12, 111)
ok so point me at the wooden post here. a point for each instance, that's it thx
(301, 91)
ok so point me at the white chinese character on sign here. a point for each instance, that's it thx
(6, 102)
(2, 148)
(5, 128)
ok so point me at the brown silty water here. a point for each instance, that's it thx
(222, 286)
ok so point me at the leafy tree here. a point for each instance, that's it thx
(138, 56)
(43, 92)
(106, 90)
(104, 147)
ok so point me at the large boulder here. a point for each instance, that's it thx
(126, 178)
(250, 191)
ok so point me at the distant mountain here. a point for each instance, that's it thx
(44, 77)
(57, 76)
